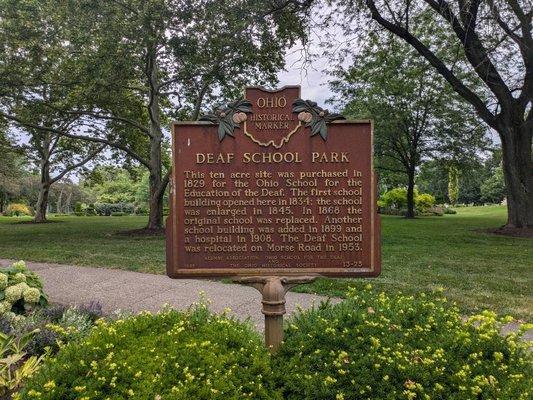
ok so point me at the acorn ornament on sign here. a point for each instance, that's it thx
(228, 118)
(314, 116)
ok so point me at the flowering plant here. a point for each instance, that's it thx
(379, 346)
(170, 355)
(20, 291)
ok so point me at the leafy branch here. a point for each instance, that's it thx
(314, 116)
(228, 118)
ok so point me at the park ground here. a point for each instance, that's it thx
(476, 269)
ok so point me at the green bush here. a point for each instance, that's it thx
(171, 355)
(394, 201)
(142, 210)
(401, 347)
(90, 210)
(107, 209)
(424, 202)
(79, 209)
(395, 198)
(17, 210)
(20, 290)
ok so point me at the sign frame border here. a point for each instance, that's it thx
(171, 231)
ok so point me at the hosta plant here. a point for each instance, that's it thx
(15, 365)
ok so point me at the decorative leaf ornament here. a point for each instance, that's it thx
(228, 118)
(314, 116)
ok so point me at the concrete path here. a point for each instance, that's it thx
(134, 291)
(117, 289)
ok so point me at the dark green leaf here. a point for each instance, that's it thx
(221, 131)
(323, 130)
(315, 128)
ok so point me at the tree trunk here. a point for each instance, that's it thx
(410, 194)
(155, 218)
(518, 173)
(42, 202)
(44, 190)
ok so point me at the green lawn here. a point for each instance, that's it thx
(477, 270)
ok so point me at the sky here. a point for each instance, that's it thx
(312, 79)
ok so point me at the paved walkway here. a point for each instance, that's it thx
(134, 291)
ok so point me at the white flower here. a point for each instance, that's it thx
(32, 295)
(13, 293)
(19, 277)
(3, 281)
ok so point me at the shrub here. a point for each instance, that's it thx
(395, 198)
(118, 214)
(106, 209)
(394, 201)
(90, 210)
(20, 290)
(424, 202)
(142, 210)
(17, 210)
(401, 347)
(79, 209)
(171, 355)
(55, 326)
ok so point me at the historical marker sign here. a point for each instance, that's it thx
(273, 185)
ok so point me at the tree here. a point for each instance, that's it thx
(34, 96)
(453, 184)
(11, 169)
(416, 116)
(141, 63)
(496, 42)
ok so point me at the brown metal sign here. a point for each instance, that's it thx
(272, 185)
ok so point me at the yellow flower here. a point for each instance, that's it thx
(49, 385)
(329, 380)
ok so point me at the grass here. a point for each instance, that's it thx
(476, 270)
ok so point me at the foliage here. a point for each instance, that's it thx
(424, 201)
(55, 326)
(20, 290)
(78, 208)
(15, 366)
(493, 188)
(171, 355)
(11, 169)
(17, 210)
(107, 209)
(483, 50)
(377, 346)
(453, 184)
(417, 116)
(397, 199)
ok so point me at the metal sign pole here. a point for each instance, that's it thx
(273, 290)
